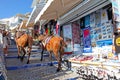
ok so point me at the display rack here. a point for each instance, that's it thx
(105, 69)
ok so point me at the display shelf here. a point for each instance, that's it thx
(97, 63)
(86, 62)
(107, 69)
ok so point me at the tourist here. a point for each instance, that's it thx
(5, 43)
(1, 42)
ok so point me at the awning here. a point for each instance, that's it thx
(56, 8)
(36, 10)
(85, 8)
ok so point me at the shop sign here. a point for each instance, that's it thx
(118, 41)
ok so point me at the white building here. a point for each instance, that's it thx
(12, 22)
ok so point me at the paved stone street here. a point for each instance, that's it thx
(36, 70)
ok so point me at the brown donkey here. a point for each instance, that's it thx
(23, 40)
(53, 44)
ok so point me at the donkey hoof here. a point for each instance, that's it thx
(57, 70)
(27, 62)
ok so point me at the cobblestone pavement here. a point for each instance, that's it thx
(36, 72)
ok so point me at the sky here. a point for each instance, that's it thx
(9, 8)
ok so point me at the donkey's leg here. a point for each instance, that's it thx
(30, 42)
(18, 52)
(59, 63)
(50, 55)
(24, 52)
(28, 60)
(42, 53)
(59, 60)
(29, 53)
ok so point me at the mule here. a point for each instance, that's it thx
(55, 45)
(23, 41)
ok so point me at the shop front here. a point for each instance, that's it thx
(93, 28)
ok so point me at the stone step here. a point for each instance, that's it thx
(30, 65)
(33, 56)
(33, 47)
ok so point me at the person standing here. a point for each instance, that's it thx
(9, 37)
(5, 43)
(1, 41)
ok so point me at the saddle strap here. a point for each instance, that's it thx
(46, 41)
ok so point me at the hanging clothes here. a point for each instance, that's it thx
(46, 30)
(57, 27)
